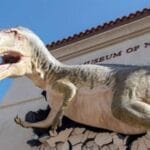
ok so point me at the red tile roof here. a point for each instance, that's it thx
(100, 28)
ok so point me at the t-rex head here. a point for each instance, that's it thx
(18, 52)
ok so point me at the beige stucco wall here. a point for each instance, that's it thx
(12, 137)
(23, 96)
(23, 90)
(131, 51)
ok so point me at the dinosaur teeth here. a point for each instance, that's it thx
(1, 60)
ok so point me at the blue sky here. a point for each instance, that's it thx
(56, 19)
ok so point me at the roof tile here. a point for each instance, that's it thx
(100, 28)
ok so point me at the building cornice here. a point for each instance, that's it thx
(100, 29)
(104, 39)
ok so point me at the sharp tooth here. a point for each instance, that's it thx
(1, 60)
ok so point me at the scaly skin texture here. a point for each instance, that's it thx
(106, 96)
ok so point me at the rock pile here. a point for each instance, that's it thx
(83, 139)
(74, 136)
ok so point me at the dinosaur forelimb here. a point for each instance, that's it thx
(69, 91)
(41, 124)
(20, 122)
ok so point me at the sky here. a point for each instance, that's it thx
(56, 19)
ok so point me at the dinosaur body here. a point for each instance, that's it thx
(96, 93)
(111, 97)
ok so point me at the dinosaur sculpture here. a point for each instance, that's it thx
(111, 97)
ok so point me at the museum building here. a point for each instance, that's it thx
(125, 40)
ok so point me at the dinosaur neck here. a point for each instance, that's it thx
(46, 66)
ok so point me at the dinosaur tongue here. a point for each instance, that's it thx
(9, 58)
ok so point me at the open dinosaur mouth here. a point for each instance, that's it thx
(9, 57)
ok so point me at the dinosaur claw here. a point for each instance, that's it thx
(54, 127)
(18, 121)
(53, 133)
